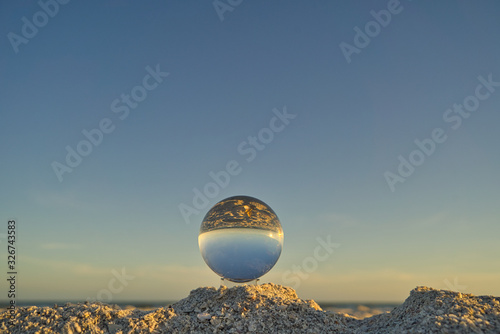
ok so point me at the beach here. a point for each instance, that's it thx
(266, 308)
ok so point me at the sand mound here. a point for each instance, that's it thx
(438, 311)
(267, 308)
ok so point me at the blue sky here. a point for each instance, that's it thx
(323, 174)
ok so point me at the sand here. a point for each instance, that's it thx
(267, 308)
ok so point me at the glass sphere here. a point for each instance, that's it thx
(240, 238)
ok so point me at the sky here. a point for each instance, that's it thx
(370, 128)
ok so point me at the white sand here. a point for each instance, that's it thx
(267, 308)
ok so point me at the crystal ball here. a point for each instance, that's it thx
(240, 238)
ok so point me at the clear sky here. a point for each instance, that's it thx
(312, 106)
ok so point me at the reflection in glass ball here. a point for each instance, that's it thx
(240, 238)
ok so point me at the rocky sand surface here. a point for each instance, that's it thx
(267, 308)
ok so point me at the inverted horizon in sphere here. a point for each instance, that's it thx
(239, 212)
(240, 238)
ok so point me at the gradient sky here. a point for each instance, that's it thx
(323, 174)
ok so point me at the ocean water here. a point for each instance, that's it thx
(358, 310)
(240, 254)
